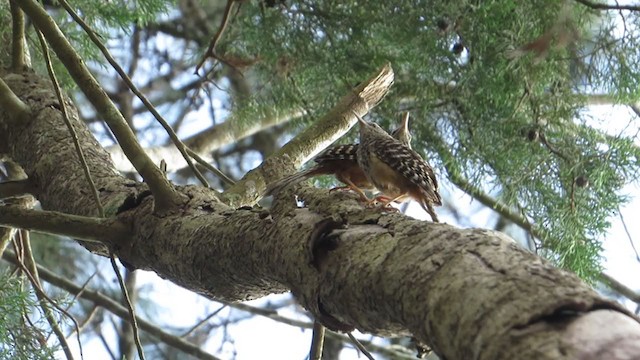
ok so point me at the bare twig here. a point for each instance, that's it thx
(211, 168)
(620, 288)
(360, 347)
(317, 341)
(85, 322)
(203, 321)
(626, 230)
(391, 353)
(132, 313)
(211, 51)
(165, 195)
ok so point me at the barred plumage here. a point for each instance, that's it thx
(395, 169)
(342, 162)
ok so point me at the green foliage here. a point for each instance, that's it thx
(20, 339)
(478, 106)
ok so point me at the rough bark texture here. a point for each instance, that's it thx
(469, 293)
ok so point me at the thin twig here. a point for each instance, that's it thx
(543, 140)
(18, 49)
(620, 288)
(86, 321)
(72, 131)
(127, 299)
(317, 341)
(211, 51)
(624, 224)
(210, 167)
(203, 321)
(360, 347)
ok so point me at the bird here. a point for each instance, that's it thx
(395, 169)
(342, 162)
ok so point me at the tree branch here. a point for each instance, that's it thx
(15, 188)
(165, 195)
(12, 105)
(620, 288)
(599, 6)
(19, 57)
(314, 139)
(107, 231)
(210, 140)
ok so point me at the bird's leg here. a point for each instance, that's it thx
(382, 199)
(340, 188)
(386, 204)
(361, 194)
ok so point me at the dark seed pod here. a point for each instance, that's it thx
(443, 25)
(582, 181)
(457, 49)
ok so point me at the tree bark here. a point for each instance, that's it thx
(468, 293)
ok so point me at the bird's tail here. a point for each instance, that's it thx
(278, 185)
(428, 200)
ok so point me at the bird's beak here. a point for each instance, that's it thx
(405, 121)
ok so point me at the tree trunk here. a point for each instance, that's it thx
(468, 293)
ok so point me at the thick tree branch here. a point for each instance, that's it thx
(15, 188)
(165, 195)
(314, 139)
(106, 231)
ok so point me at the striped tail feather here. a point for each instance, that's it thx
(278, 185)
